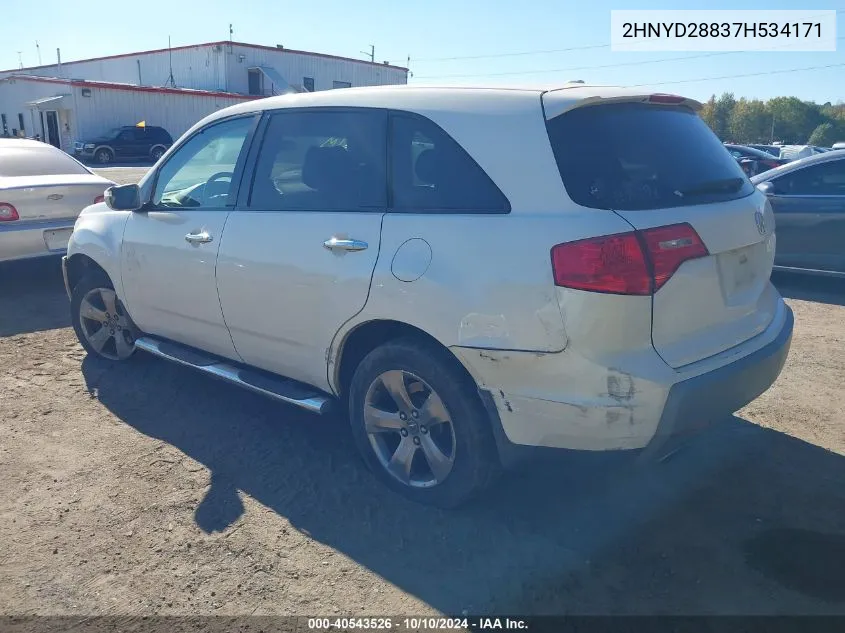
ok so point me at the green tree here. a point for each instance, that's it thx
(794, 120)
(750, 122)
(824, 135)
(722, 112)
(708, 112)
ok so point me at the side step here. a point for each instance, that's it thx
(266, 384)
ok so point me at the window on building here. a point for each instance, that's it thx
(254, 77)
(341, 84)
(21, 124)
(5, 125)
(308, 83)
(431, 172)
(199, 173)
(322, 161)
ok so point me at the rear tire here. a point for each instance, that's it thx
(419, 424)
(156, 154)
(99, 319)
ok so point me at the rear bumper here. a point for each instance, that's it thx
(697, 401)
(23, 240)
(567, 401)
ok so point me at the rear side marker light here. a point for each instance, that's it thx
(8, 213)
(635, 263)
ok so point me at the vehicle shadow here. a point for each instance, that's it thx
(827, 290)
(746, 520)
(32, 296)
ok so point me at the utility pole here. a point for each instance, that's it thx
(773, 128)
(170, 80)
(20, 59)
(230, 32)
(371, 54)
(38, 49)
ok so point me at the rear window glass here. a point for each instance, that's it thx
(45, 161)
(633, 156)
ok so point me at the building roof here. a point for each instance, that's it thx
(110, 85)
(204, 45)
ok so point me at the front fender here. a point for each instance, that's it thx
(98, 234)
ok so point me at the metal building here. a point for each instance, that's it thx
(171, 88)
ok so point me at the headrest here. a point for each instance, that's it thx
(428, 166)
(326, 168)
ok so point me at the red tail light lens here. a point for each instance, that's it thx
(613, 263)
(635, 263)
(8, 213)
(664, 98)
(99, 199)
(669, 247)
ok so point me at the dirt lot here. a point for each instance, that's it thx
(146, 488)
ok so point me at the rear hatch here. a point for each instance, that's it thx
(655, 163)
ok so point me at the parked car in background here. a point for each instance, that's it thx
(808, 200)
(838, 146)
(797, 152)
(42, 191)
(774, 150)
(466, 294)
(753, 161)
(129, 142)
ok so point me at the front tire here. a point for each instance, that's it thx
(419, 424)
(99, 319)
(103, 156)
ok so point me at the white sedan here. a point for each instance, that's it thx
(42, 191)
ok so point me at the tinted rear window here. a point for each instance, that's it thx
(633, 156)
(44, 161)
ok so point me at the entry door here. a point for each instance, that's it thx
(809, 206)
(52, 132)
(170, 248)
(299, 251)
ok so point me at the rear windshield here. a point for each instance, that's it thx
(44, 161)
(633, 156)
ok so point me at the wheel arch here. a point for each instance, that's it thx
(364, 337)
(79, 265)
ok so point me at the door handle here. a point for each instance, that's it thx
(335, 243)
(203, 237)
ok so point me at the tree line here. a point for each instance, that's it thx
(786, 119)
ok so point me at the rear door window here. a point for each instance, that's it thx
(633, 156)
(322, 160)
(431, 172)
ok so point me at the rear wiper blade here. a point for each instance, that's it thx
(724, 185)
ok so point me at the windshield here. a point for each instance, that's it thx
(634, 156)
(40, 161)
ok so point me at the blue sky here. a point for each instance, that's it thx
(428, 31)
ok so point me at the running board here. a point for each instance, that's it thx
(275, 387)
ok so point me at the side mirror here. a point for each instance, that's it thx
(123, 197)
(767, 187)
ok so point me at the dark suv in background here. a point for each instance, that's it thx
(129, 142)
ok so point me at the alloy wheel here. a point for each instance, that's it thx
(105, 324)
(410, 429)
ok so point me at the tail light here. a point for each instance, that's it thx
(99, 199)
(8, 213)
(635, 263)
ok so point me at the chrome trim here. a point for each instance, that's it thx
(809, 271)
(345, 244)
(198, 238)
(317, 404)
(64, 275)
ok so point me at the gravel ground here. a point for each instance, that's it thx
(146, 488)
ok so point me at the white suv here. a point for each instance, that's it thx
(471, 272)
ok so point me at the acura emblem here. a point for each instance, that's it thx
(55, 196)
(760, 221)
